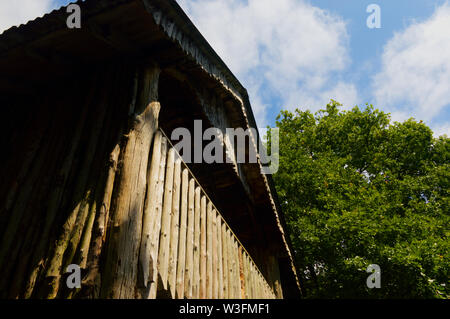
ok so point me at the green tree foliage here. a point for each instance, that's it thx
(357, 190)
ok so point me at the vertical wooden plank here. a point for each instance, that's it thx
(209, 242)
(156, 211)
(215, 264)
(249, 288)
(164, 245)
(149, 216)
(258, 281)
(259, 285)
(238, 292)
(266, 291)
(244, 271)
(241, 271)
(264, 296)
(175, 227)
(196, 279)
(231, 266)
(275, 275)
(225, 261)
(261, 288)
(219, 257)
(264, 288)
(252, 287)
(255, 287)
(203, 247)
(181, 266)
(189, 274)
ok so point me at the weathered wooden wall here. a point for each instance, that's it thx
(199, 256)
(59, 179)
(90, 180)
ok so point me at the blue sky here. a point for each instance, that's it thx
(302, 53)
(402, 68)
(366, 45)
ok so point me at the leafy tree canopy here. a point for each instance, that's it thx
(358, 190)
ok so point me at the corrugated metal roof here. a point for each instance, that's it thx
(37, 19)
(51, 22)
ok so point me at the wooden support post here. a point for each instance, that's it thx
(152, 218)
(125, 239)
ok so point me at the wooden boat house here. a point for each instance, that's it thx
(90, 176)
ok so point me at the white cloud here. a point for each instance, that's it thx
(415, 74)
(288, 51)
(442, 129)
(14, 13)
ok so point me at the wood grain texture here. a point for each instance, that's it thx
(181, 265)
(189, 274)
(166, 219)
(175, 228)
